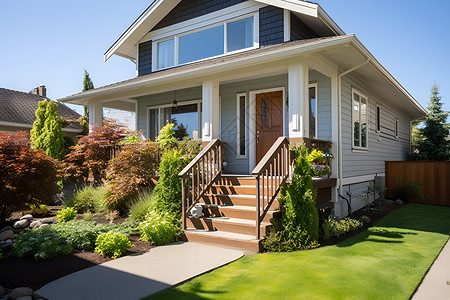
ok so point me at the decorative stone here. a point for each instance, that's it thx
(20, 292)
(8, 241)
(47, 221)
(43, 225)
(399, 202)
(25, 298)
(6, 235)
(2, 291)
(21, 224)
(35, 224)
(27, 217)
(6, 228)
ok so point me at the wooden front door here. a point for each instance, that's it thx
(269, 121)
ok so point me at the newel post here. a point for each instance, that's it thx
(258, 233)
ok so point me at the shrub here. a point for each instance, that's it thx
(299, 225)
(37, 210)
(131, 171)
(159, 228)
(41, 244)
(89, 199)
(22, 168)
(166, 138)
(112, 244)
(141, 206)
(66, 214)
(332, 227)
(90, 155)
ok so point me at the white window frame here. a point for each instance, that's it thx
(182, 103)
(396, 128)
(361, 95)
(238, 135)
(314, 85)
(176, 37)
(378, 119)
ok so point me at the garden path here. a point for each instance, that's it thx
(139, 275)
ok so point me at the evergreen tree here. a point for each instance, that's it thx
(87, 85)
(435, 144)
(47, 132)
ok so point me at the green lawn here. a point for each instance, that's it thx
(387, 261)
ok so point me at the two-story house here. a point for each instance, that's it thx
(247, 72)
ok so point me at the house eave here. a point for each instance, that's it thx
(29, 126)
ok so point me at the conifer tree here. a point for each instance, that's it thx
(87, 85)
(435, 144)
(47, 132)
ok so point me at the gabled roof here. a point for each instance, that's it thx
(126, 45)
(19, 108)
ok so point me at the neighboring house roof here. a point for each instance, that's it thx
(126, 44)
(347, 57)
(17, 109)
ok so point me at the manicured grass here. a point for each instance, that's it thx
(388, 261)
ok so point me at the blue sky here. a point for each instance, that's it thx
(51, 42)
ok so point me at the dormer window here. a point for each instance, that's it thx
(215, 40)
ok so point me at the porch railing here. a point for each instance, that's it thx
(199, 175)
(271, 173)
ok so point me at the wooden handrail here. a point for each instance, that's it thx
(199, 175)
(271, 173)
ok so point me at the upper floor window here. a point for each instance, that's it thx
(215, 40)
(359, 117)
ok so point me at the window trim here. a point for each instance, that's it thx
(396, 128)
(378, 119)
(176, 36)
(238, 114)
(361, 95)
(182, 103)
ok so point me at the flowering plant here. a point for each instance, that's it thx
(320, 160)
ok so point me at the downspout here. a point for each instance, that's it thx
(340, 119)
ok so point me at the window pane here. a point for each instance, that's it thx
(363, 122)
(378, 119)
(186, 119)
(153, 124)
(356, 121)
(242, 125)
(240, 34)
(201, 44)
(312, 112)
(166, 54)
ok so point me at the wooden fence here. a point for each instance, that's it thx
(433, 179)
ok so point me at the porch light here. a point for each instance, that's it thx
(175, 102)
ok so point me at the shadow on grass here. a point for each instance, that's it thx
(395, 226)
(191, 292)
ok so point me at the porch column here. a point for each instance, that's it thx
(210, 110)
(298, 100)
(335, 135)
(95, 115)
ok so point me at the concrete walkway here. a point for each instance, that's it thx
(136, 276)
(436, 284)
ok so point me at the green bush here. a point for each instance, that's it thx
(332, 227)
(112, 244)
(83, 234)
(37, 210)
(41, 244)
(66, 214)
(89, 199)
(159, 228)
(299, 225)
(166, 138)
(141, 206)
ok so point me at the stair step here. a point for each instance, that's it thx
(235, 211)
(225, 224)
(237, 180)
(235, 240)
(233, 200)
(233, 189)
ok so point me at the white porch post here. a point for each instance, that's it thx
(298, 100)
(95, 115)
(211, 110)
(335, 136)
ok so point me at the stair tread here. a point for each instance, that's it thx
(235, 221)
(232, 195)
(234, 207)
(223, 234)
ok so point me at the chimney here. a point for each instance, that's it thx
(40, 90)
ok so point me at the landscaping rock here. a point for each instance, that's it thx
(27, 217)
(21, 224)
(25, 298)
(2, 291)
(20, 292)
(47, 221)
(6, 235)
(6, 228)
(399, 202)
(43, 225)
(35, 224)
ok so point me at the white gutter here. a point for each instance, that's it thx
(23, 125)
(340, 118)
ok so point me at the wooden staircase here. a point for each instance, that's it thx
(229, 215)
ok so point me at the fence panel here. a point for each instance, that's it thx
(432, 177)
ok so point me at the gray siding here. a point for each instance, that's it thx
(271, 26)
(163, 98)
(299, 30)
(228, 94)
(323, 104)
(189, 9)
(145, 58)
(381, 146)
